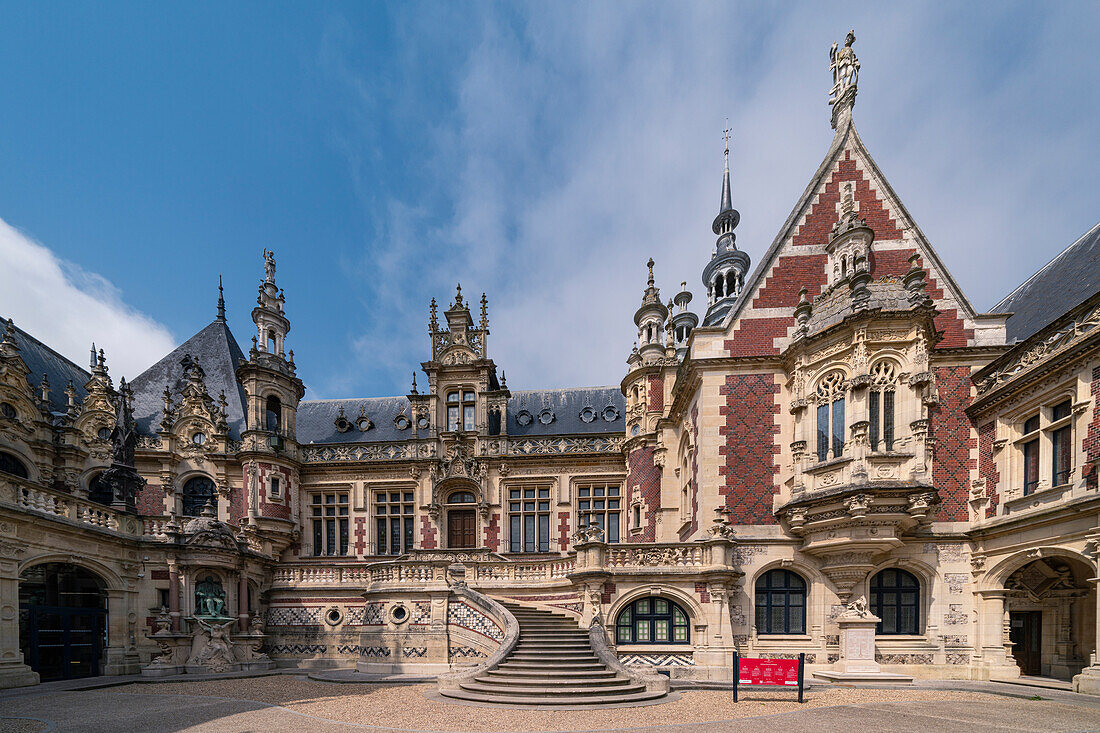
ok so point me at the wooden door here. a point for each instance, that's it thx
(1026, 635)
(461, 529)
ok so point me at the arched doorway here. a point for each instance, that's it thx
(461, 520)
(62, 620)
(1051, 608)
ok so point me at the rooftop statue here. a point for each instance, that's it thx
(845, 67)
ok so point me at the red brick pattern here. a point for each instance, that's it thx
(748, 474)
(790, 272)
(608, 592)
(756, 336)
(492, 532)
(427, 533)
(150, 501)
(159, 575)
(642, 472)
(954, 438)
(704, 594)
(563, 531)
(274, 509)
(237, 501)
(360, 534)
(818, 225)
(1091, 443)
(655, 393)
(987, 466)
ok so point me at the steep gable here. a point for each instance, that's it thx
(761, 321)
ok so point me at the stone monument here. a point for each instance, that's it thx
(857, 648)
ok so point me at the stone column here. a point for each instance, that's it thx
(13, 671)
(116, 659)
(174, 596)
(992, 624)
(1088, 681)
(242, 603)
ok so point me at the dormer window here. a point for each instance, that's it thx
(830, 416)
(460, 406)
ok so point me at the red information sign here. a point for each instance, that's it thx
(767, 671)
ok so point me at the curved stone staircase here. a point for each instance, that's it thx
(553, 663)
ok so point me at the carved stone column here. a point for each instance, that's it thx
(174, 595)
(993, 634)
(13, 671)
(242, 602)
(1088, 681)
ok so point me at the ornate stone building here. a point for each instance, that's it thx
(839, 427)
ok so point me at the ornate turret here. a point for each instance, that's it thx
(271, 325)
(724, 275)
(683, 321)
(650, 319)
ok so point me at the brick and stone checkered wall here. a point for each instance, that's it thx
(655, 393)
(1091, 443)
(150, 501)
(642, 472)
(427, 533)
(492, 532)
(748, 469)
(563, 531)
(360, 535)
(987, 466)
(954, 439)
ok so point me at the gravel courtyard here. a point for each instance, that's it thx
(293, 703)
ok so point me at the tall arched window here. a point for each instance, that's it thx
(880, 399)
(780, 603)
(830, 416)
(11, 465)
(652, 620)
(273, 414)
(895, 598)
(197, 493)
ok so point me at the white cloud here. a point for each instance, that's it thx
(67, 308)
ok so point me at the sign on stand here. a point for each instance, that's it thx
(769, 672)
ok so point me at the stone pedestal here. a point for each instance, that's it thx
(1088, 682)
(857, 649)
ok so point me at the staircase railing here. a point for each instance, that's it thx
(452, 680)
(597, 638)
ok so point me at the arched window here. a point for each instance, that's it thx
(12, 465)
(652, 620)
(881, 405)
(780, 603)
(99, 491)
(273, 414)
(718, 283)
(197, 493)
(895, 598)
(731, 283)
(271, 342)
(461, 413)
(830, 416)
(461, 497)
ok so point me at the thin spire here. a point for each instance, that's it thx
(221, 301)
(727, 199)
(650, 265)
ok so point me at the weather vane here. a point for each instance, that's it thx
(726, 139)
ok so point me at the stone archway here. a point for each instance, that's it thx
(1051, 607)
(63, 620)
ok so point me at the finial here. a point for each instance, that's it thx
(102, 360)
(433, 324)
(503, 380)
(726, 139)
(650, 265)
(458, 294)
(221, 300)
(845, 67)
(484, 312)
(44, 388)
(414, 378)
(91, 361)
(9, 329)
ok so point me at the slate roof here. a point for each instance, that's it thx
(316, 421)
(41, 359)
(566, 406)
(1065, 282)
(217, 352)
(316, 418)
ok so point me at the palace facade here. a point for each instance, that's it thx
(838, 426)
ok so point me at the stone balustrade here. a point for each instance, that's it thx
(29, 497)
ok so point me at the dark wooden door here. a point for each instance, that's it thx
(64, 643)
(461, 529)
(1026, 635)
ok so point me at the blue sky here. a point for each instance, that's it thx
(540, 153)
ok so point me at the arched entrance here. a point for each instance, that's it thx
(62, 620)
(1051, 608)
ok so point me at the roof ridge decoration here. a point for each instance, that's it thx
(845, 67)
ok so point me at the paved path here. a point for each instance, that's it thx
(114, 709)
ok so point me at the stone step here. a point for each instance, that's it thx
(625, 687)
(610, 699)
(549, 644)
(563, 667)
(542, 674)
(552, 657)
(563, 635)
(547, 681)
